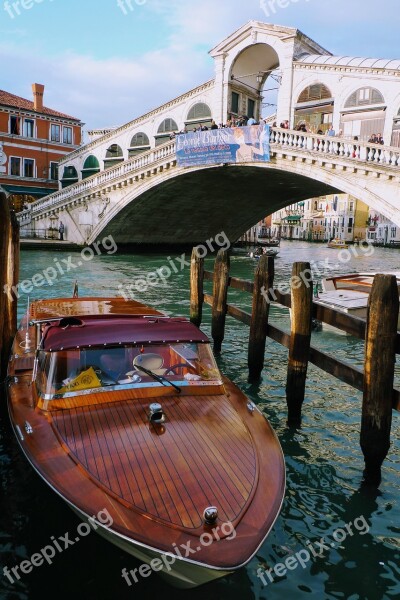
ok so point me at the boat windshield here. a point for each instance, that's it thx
(84, 370)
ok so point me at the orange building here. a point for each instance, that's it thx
(33, 139)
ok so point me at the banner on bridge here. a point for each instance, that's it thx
(225, 145)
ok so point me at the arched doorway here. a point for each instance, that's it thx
(70, 176)
(314, 108)
(114, 155)
(199, 114)
(363, 114)
(395, 141)
(91, 166)
(253, 72)
(139, 143)
(164, 131)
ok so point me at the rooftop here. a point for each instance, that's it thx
(7, 99)
(351, 61)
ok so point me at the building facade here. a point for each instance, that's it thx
(320, 219)
(33, 138)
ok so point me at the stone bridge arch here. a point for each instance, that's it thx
(190, 205)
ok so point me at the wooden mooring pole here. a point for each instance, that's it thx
(379, 361)
(9, 271)
(299, 347)
(220, 292)
(196, 288)
(263, 281)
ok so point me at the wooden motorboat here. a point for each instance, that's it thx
(123, 411)
(349, 293)
(338, 244)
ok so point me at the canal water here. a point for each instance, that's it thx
(360, 555)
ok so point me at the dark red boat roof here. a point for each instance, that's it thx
(110, 331)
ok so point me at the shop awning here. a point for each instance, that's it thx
(30, 191)
(292, 218)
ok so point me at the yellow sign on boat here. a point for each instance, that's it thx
(84, 381)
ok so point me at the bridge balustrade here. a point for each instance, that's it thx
(284, 139)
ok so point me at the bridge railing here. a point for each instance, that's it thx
(280, 138)
(336, 146)
(108, 176)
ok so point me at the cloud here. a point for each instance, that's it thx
(105, 92)
(113, 90)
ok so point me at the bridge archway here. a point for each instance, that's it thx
(190, 205)
(248, 74)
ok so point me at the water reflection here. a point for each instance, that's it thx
(323, 460)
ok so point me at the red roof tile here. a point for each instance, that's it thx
(7, 99)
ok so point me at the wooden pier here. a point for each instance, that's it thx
(382, 342)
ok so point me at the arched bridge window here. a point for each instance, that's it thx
(70, 176)
(199, 114)
(114, 155)
(314, 108)
(364, 114)
(364, 96)
(139, 143)
(315, 92)
(91, 166)
(164, 130)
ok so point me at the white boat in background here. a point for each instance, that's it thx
(339, 244)
(349, 293)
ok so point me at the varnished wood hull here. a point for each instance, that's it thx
(214, 449)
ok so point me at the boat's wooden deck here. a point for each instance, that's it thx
(205, 455)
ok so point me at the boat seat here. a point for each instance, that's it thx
(150, 360)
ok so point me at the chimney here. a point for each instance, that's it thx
(38, 89)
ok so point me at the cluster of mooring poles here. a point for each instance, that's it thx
(382, 341)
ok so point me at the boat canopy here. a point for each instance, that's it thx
(72, 332)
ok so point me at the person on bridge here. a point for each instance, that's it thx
(61, 230)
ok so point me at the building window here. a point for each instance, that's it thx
(67, 135)
(351, 207)
(29, 166)
(15, 125)
(364, 96)
(393, 232)
(199, 111)
(54, 171)
(29, 126)
(235, 103)
(55, 133)
(15, 166)
(350, 221)
(251, 105)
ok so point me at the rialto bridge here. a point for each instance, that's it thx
(126, 182)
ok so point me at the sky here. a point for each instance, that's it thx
(109, 61)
